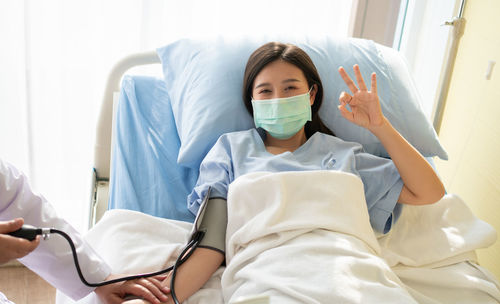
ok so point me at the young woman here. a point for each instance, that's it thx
(283, 92)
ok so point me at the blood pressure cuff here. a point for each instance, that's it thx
(212, 220)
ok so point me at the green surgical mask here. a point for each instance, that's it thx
(282, 117)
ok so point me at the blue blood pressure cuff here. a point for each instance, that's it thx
(212, 221)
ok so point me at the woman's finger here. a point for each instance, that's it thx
(167, 280)
(346, 113)
(345, 98)
(359, 78)
(161, 277)
(154, 288)
(350, 84)
(157, 281)
(136, 289)
(374, 83)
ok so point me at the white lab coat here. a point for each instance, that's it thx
(52, 259)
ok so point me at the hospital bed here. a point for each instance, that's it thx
(153, 132)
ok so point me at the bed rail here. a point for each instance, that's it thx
(102, 150)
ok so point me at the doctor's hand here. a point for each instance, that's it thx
(149, 289)
(13, 247)
(365, 105)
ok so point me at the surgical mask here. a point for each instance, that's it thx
(282, 117)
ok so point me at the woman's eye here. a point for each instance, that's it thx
(265, 91)
(290, 88)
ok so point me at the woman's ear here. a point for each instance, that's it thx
(314, 90)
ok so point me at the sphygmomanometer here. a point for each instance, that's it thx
(209, 231)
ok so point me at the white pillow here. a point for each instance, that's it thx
(204, 81)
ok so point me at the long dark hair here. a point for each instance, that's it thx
(292, 54)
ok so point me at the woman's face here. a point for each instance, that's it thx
(280, 79)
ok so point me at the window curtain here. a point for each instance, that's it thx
(55, 56)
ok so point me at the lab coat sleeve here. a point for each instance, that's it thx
(52, 259)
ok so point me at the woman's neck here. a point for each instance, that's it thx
(277, 146)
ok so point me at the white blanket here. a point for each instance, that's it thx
(305, 237)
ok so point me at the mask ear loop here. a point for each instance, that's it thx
(310, 90)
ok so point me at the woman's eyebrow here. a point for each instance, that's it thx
(290, 80)
(284, 81)
(262, 85)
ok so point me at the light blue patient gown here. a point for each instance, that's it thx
(239, 153)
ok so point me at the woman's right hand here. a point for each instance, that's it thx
(149, 290)
(11, 247)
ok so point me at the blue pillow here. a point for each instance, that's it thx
(145, 175)
(204, 81)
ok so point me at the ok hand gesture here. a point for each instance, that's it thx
(365, 105)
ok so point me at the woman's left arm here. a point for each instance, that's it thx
(421, 183)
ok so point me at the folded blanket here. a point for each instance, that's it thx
(432, 250)
(441, 234)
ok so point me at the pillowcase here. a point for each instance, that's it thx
(204, 80)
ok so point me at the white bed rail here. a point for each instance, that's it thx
(102, 151)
